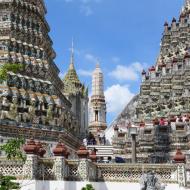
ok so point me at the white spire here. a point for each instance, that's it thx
(97, 81)
(97, 69)
(97, 113)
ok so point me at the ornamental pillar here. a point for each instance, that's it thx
(180, 159)
(83, 167)
(181, 171)
(59, 168)
(30, 166)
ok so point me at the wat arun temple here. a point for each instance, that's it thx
(35, 103)
(71, 128)
(161, 111)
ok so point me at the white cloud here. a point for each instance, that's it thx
(131, 72)
(85, 6)
(87, 10)
(138, 66)
(117, 96)
(85, 73)
(115, 59)
(91, 58)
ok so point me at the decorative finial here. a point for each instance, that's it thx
(72, 56)
(98, 63)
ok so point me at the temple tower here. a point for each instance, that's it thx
(97, 103)
(162, 109)
(31, 97)
(77, 94)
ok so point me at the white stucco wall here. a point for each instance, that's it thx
(62, 185)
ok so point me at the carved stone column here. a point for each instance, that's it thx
(83, 167)
(181, 175)
(59, 168)
(30, 166)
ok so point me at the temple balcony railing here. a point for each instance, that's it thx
(119, 152)
(133, 172)
(72, 170)
(12, 129)
(31, 125)
(106, 172)
(11, 167)
(183, 146)
(45, 169)
(59, 168)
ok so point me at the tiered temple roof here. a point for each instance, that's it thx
(33, 96)
(163, 109)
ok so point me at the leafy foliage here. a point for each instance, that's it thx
(12, 149)
(88, 187)
(7, 183)
(9, 67)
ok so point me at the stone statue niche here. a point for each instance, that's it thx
(150, 181)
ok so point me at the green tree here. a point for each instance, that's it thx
(13, 150)
(7, 67)
(7, 183)
(88, 187)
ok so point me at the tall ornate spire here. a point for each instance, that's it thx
(97, 103)
(72, 84)
(72, 56)
(97, 81)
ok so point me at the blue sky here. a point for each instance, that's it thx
(123, 34)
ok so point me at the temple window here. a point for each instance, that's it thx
(40, 121)
(5, 18)
(12, 17)
(46, 106)
(27, 102)
(179, 67)
(147, 132)
(21, 118)
(96, 115)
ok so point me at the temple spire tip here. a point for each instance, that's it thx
(72, 55)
